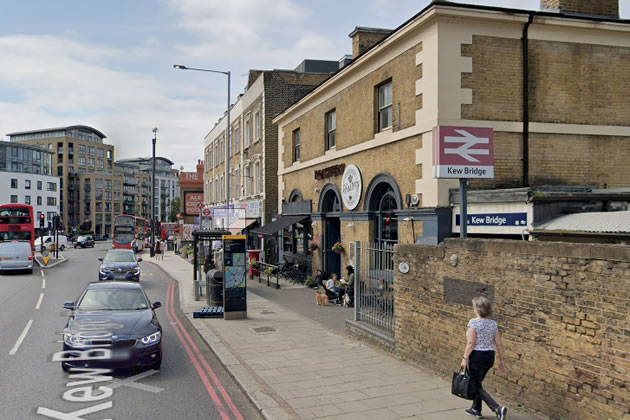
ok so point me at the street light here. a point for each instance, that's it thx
(228, 136)
(152, 251)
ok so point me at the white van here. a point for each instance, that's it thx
(16, 255)
(48, 241)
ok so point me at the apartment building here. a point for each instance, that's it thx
(26, 178)
(253, 159)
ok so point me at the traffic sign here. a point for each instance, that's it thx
(45, 257)
(463, 152)
(206, 212)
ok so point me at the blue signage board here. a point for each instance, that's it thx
(495, 219)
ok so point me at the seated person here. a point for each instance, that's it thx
(331, 285)
(349, 284)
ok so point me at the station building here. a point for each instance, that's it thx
(550, 83)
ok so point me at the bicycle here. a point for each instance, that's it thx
(292, 272)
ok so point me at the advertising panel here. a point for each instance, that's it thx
(193, 203)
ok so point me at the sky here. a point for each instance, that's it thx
(109, 64)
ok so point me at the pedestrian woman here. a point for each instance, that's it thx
(483, 337)
(158, 251)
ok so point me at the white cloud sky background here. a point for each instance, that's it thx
(109, 64)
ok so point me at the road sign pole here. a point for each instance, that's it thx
(463, 213)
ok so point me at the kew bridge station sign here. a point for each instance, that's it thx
(463, 153)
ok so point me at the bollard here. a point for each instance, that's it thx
(196, 287)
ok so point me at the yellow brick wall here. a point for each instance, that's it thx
(356, 109)
(401, 166)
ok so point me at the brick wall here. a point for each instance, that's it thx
(564, 310)
(591, 7)
(356, 109)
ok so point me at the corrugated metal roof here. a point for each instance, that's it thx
(597, 222)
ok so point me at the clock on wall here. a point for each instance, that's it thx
(403, 267)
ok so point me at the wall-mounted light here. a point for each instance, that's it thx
(316, 189)
(351, 225)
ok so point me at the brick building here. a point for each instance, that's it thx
(191, 193)
(254, 157)
(550, 84)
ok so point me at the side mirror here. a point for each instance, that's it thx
(139, 259)
(69, 305)
(100, 259)
(156, 305)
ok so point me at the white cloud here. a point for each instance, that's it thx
(54, 81)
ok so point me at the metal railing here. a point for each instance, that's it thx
(374, 285)
(261, 269)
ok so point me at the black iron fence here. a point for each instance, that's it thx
(374, 285)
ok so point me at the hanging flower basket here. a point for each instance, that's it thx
(313, 246)
(337, 248)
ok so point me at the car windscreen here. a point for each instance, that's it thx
(15, 236)
(123, 235)
(82, 238)
(113, 300)
(120, 257)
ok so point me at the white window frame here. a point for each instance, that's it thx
(247, 139)
(257, 126)
(258, 177)
(384, 106)
(295, 146)
(331, 129)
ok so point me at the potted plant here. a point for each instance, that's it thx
(253, 263)
(337, 248)
(268, 271)
(313, 245)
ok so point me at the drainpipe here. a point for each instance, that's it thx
(525, 48)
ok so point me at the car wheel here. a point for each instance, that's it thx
(75, 246)
(157, 364)
(30, 271)
(62, 247)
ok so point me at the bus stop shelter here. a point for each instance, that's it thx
(202, 247)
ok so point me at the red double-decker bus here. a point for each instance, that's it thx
(126, 228)
(16, 223)
(166, 230)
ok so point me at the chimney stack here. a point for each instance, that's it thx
(605, 8)
(364, 38)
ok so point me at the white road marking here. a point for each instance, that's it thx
(41, 272)
(43, 283)
(21, 338)
(39, 301)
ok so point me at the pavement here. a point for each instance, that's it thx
(294, 360)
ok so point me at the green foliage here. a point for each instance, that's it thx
(174, 209)
(310, 282)
(268, 271)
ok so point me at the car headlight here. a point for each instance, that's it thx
(103, 270)
(136, 271)
(74, 340)
(151, 339)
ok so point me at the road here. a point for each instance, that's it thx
(191, 383)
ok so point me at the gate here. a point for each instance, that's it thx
(374, 285)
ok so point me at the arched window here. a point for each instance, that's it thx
(329, 201)
(258, 176)
(383, 197)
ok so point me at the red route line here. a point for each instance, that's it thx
(202, 375)
(215, 379)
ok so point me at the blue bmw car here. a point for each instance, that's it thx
(118, 319)
(119, 264)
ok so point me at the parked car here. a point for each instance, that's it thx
(127, 325)
(84, 241)
(119, 264)
(16, 255)
(49, 241)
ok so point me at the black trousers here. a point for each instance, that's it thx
(479, 363)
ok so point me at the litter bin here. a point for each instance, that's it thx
(253, 254)
(214, 287)
(170, 245)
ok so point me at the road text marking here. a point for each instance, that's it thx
(39, 301)
(17, 344)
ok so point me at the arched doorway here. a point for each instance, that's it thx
(330, 205)
(384, 199)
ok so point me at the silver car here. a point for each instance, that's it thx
(16, 255)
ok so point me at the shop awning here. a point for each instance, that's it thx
(239, 225)
(282, 222)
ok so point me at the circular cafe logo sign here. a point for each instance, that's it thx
(351, 187)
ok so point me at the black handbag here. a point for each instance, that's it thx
(463, 386)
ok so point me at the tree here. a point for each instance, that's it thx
(174, 209)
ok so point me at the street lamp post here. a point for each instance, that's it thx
(228, 136)
(152, 251)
